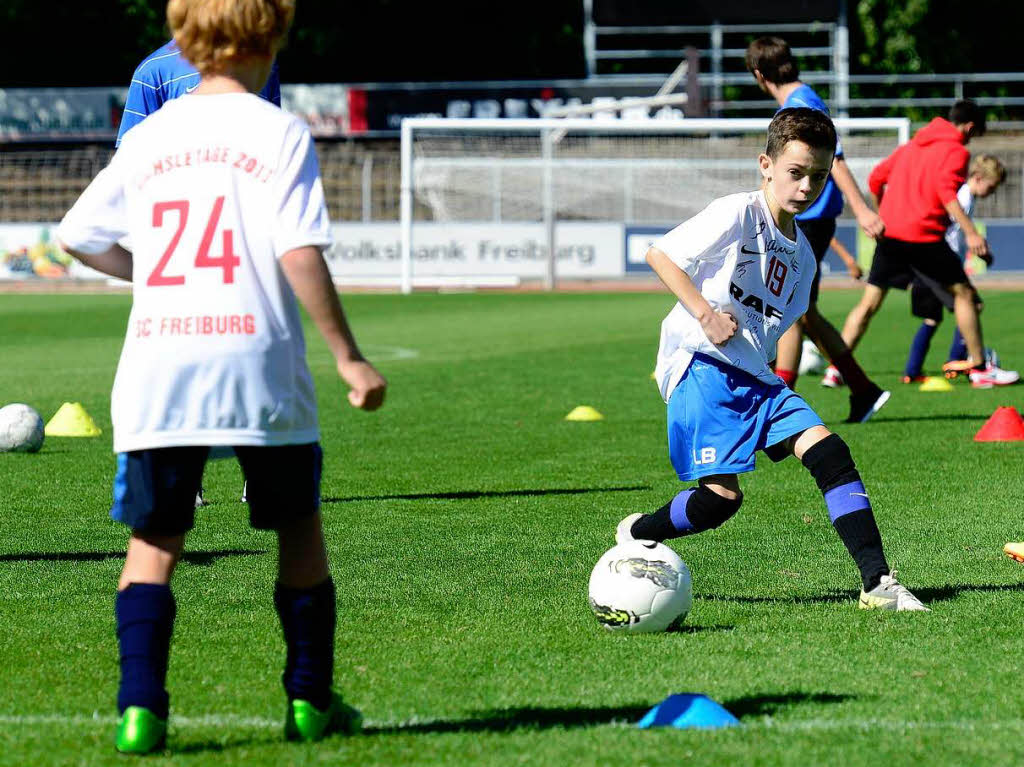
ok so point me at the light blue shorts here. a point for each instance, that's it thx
(720, 416)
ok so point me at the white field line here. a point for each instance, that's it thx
(261, 723)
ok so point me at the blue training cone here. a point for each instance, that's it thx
(686, 710)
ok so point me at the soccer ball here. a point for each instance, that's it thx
(811, 360)
(640, 587)
(21, 429)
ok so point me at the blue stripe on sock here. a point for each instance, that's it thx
(846, 499)
(677, 512)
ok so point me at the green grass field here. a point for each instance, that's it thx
(463, 520)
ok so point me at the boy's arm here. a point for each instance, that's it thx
(976, 244)
(851, 264)
(115, 260)
(868, 220)
(307, 273)
(718, 326)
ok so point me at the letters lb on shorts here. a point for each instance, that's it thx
(720, 416)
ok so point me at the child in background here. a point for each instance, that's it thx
(927, 297)
(221, 195)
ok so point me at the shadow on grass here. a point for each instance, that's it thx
(200, 558)
(767, 705)
(947, 417)
(463, 495)
(531, 718)
(833, 596)
(688, 628)
(925, 594)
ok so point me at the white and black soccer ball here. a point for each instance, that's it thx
(811, 360)
(21, 429)
(640, 587)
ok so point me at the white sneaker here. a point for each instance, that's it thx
(890, 594)
(833, 379)
(993, 376)
(623, 532)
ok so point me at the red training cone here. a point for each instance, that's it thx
(1005, 425)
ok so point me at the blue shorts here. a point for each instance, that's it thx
(719, 416)
(155, 490)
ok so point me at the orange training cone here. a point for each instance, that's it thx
(1005, 425)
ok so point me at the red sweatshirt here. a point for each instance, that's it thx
(916, 180)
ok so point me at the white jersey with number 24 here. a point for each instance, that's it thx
(212, 190)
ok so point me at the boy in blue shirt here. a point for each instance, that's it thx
(742, 272)
(773, 67)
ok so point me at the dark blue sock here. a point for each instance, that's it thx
(919, 349)
(145, 620)
(308, 617)
(958, 349)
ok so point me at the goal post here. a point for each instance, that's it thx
(486, 202)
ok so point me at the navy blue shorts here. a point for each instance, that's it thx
(720, 416)
(155, 490)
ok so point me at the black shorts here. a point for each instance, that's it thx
(155, 490)
(819, 233)
(897, 262)
(928, 299)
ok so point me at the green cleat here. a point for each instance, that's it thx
(140, 731)
(306, 722)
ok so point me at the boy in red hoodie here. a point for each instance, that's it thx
(916, 187)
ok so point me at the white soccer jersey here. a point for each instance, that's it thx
(742, 264)
(212, 190)
(955, 235)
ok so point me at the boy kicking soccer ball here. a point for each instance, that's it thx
(221, 195)
(742, 272)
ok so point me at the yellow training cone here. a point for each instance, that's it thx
(936, 383)
(584, 413)
(71, 420)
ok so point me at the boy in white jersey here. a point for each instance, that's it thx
(742, 272)
(221, 195)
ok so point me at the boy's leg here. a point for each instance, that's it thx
(866, 397)
(828, 459)
(145, 610)
(859, 318)
(154, 494)
(968, 322)
(694, 510)
(918, 351)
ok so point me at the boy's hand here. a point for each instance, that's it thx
(976, 245)
(367, 385)
(719, 327)
(854, 269)
(871, 223)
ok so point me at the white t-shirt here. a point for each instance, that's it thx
(954, 235)
(212, 191)
(741, 263)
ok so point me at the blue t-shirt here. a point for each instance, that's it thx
(830, 202)
(164, 75)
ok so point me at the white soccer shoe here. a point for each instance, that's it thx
(623, 531)
(890, 594)
(993, 376)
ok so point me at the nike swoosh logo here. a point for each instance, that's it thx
(189, 90)
(743, 249)
(649, 544)
(862, 495)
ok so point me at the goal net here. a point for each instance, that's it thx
(487, 201)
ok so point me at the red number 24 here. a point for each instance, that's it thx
(227, 261)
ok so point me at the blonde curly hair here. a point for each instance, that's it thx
(212, 33)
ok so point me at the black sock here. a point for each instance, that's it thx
(144, 613)
(308, 619)
(861, 537)
(655, 527)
